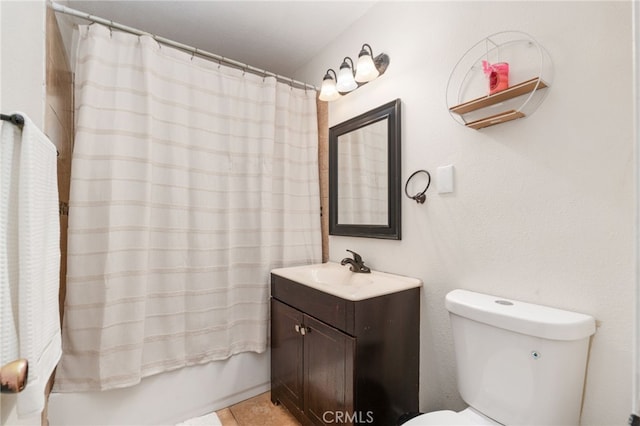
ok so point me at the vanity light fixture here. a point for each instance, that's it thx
(346, 82)
(367, 69)
(328, 91)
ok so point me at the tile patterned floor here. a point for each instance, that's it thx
(257, 411)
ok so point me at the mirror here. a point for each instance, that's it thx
(364, 174)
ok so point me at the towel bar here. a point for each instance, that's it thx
(16, 119)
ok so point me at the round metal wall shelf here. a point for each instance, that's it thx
(530, 71)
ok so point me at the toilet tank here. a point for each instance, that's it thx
(519, 363)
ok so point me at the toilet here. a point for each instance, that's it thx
(517, 363)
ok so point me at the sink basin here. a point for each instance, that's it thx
(338, 280)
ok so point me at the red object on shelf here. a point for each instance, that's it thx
(498, 74)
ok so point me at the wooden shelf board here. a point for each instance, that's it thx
(503, 95)
(495, 119)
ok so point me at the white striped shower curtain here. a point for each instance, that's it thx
(190, 182)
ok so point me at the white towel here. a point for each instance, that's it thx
(9, 161)
(30, 258)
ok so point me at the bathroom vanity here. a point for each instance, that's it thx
(351, 357)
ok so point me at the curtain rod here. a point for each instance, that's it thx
(203, 53)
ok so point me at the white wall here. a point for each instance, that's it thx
(636, 74)
(543, 208)
(22, 78)
(22, 88)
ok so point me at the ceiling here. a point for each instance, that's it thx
(277, 36)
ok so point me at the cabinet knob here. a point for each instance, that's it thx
(301, 329)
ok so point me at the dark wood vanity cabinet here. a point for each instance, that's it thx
(336, 361)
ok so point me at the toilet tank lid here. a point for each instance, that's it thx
(521, 317)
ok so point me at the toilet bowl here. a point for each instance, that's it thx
(518, 363)
(467, 417)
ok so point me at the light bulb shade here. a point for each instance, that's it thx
(365, 69)
(328, 91)
(345, 83)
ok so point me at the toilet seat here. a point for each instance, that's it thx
(468, 417)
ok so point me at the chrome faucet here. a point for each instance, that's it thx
(357, 264)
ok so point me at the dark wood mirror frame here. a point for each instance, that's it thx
(391, 230)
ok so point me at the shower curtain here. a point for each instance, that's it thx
(190, 182)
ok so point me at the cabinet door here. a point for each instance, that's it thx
(328, 374)
(286, 355)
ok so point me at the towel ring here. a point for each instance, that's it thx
(420, 197)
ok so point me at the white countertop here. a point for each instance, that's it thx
(338, 280)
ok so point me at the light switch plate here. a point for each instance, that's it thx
(445, 179)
